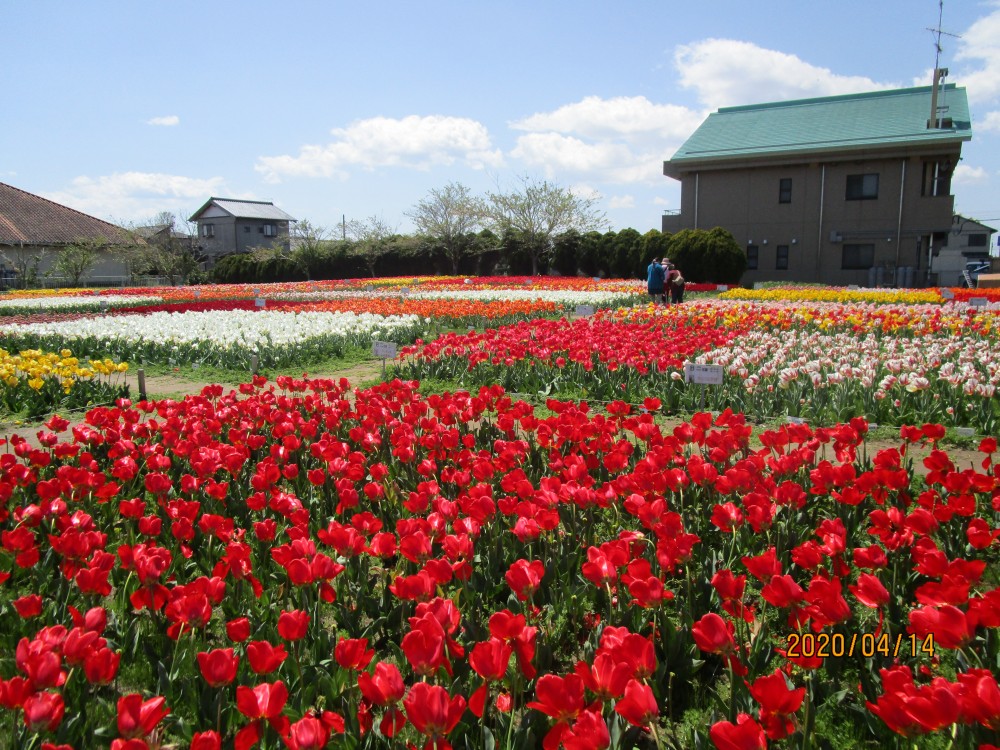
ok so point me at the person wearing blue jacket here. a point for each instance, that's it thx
(655, 276)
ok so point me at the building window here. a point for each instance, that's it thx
(785, 190)
(208, 230)
(862, 187)
(781, 258)
(752, 257)
(977, 240)
(246, 229)
(936, 178)
(270, 230)
(858, 257)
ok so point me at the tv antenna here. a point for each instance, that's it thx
(939, 73)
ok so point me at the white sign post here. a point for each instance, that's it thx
(383, 350)
(703, 375)
(584, 311)
(978, 302)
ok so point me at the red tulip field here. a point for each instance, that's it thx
(562, 550)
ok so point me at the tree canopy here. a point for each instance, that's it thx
(536, 211)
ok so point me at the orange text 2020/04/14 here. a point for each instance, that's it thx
(865, 645)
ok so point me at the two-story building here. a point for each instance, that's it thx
(227, 226)
(852, 189)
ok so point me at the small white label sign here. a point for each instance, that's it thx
(260, 302)
(978, 302)
(584, 311)
(947, 294)
(383, 350)
(722, 287)
(703, 374)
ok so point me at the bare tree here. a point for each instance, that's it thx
(310, 245)
(372, 237)
(535, 212)
(449, 215)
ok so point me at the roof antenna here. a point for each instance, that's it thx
(939, 73)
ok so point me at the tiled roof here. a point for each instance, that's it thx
(32, 220)
(246, 209)
(850, 122)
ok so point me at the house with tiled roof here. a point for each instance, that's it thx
(851, 189)
(34, 229)
(227, 226)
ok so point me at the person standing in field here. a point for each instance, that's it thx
(654, 279)
(675, 284)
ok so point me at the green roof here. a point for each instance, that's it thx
(876, 119)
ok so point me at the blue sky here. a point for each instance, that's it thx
(124, 109)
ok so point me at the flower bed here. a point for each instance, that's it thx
(227, 339)
(291, 567)
(827, 363)
(34, 382)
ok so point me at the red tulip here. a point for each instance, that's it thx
(265, 701)
(745, 734)
(524, 577)
(588, 732)
(353, 653)
(28, 606)
(264, 658)
(43, 711)
(424, 647)
(238, 630)
(638, 707)
(293, 625)
(490, 659)
(433, 712)
(948, 625)
(777, 702)
(101, 666)
(870, 591)
(138, 717)
(713, 634)
(218, 666)
(384, 687)
(559, 697)
(209, 740)
(311, 732)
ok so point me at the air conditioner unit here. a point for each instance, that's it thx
(836, 237)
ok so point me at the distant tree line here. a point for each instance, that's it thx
(702, 256)
(536, 227)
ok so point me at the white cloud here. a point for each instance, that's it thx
(414, 142)
(621, 201)
(619, 140)
(557, 155)
(989, 124)
(727, 72)
(630, 117)
(167, 121)
(136, 196)
(966, 175)
(658, 201)
(979, 47)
